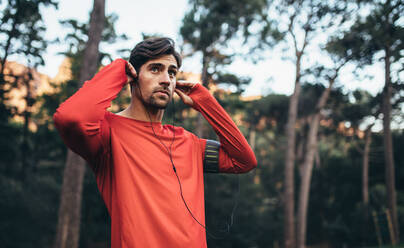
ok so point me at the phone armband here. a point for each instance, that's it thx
(211, 159)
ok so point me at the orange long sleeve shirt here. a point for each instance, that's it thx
(133, 169)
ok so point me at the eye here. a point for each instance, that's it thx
(154, 69)
(172, 73)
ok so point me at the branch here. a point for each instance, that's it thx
(290, 30)
(307, 29)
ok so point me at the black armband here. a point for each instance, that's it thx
(211, 160)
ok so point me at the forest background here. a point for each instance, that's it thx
(330, 171)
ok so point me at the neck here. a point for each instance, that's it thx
(139, 111)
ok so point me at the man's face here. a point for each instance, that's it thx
(157, 79)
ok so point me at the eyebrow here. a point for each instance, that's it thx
(162, 65)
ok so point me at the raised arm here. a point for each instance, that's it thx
(80, 120)
(235, 155)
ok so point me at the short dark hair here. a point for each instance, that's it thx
(153, 48)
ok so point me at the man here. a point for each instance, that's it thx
(150, 175)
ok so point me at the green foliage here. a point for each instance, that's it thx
(21, 34)
(211, 22)
(22, 29)
(270, 108)
(378, 31)
(29, 208)
(231, 80)
(209, 26)
(95, 225)
(363, 106)
(335, 206)
(78, 36)
(9, 133)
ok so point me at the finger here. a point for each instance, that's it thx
(184, 97)
(183, 83)
(180, 94)
(184, 89)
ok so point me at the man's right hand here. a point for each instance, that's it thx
(130, 72)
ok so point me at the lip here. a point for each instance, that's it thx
(163, 91)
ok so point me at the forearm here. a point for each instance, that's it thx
(79, 118)
(240, 155)
(90, 101)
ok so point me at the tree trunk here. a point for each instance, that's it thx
(289, 223)
(388, 148)
(306, 173)
(200, 130)
(68, 229)
(253, 134)
(6, 53)
(25, 147)
(301, 142)
(365, 185)
(307, 167)
(365, 168)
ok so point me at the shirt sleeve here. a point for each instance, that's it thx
(81, 121)
(235, 155)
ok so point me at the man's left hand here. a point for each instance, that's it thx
(183, 88)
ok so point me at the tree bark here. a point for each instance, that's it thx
(68, 229)
(289, 223)
(253, 134)
(388, 147)
(200, 130)
(289, 192)
(306, 173)
(307, 167)
(365, 169)
(25, 147)
(365, 184)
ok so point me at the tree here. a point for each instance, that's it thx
(381, 31)
(209, 26)
(22, 35)
(303, 18)
(297, 23)
(22, 26)
(306, 166)
(70, 206)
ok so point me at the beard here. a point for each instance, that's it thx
(154, 101)
(157, 102)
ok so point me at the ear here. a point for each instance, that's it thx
(133, 83)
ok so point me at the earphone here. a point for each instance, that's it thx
(169, 151)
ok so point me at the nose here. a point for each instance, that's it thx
(166, 79)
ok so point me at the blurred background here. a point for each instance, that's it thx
(315, 86)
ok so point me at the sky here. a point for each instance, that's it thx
(272, 75)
